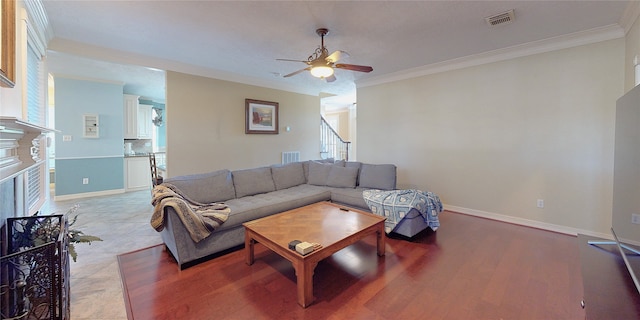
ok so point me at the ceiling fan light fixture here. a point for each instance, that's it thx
(322, 71)
(321, 64)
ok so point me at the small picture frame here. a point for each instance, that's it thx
(261, 117)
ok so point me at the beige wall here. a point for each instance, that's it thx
(494, 138)
(205, 125)
(343, 123)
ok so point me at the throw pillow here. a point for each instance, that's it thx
(305, 167)
(253, 181)
(210, 187)
(288, 175)
(378, 176)
(318, 173)
(342, 177)
(354, 164)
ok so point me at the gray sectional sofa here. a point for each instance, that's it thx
(259, 192)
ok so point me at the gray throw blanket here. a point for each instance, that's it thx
(396, 204)
(200, 219)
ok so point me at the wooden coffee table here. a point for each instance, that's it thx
(332, 226)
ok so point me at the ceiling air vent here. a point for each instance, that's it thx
(501, 18)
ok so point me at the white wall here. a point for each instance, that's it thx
(492, 139)
(205, 121)
(632, 49)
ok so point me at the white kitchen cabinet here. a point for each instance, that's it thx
(137, 173)
(130, 116)
(137, 118)
(144, 122)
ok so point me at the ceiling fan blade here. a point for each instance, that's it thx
(307, 62)
(336, 55)
(354, 67)
(296, 72)
(331, 78)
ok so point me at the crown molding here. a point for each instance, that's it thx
(81, 78)
(595, 35)
(116, 56)
(630, 15)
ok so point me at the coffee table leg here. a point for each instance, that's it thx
(248, 247)
(304, 275)
(381, 240)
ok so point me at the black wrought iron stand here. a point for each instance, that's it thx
(35, 271)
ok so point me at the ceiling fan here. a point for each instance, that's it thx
(321, 64)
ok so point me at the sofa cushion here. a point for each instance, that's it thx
(349, 197)
(378, 176)
(253, 181)
(318, 173)
(354, 164)
(264, 204)
(288, 175)
(342, 177)
(206, 187)
(305, 166)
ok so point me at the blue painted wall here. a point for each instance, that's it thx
(103, 174)
(101, 159)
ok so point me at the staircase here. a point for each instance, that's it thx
(331, 145)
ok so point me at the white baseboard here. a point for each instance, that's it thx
(530, 223)
(138, 188)
(534, 224)
(87, 195)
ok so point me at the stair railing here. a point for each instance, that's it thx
(331, 144)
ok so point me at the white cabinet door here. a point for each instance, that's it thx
(144, 122)
(137, 173)
(130, 116)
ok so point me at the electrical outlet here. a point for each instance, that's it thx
(66, 138)
(540, 203)
(85, 180)
(635, 218)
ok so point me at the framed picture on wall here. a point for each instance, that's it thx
(261, 117)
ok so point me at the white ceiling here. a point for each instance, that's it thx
(241, 40)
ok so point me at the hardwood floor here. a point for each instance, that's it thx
(471, 268)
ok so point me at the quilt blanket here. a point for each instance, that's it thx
(200, 219)
(396, 204)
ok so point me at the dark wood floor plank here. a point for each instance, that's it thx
(471, 268)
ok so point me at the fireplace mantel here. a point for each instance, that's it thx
(20, 146)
